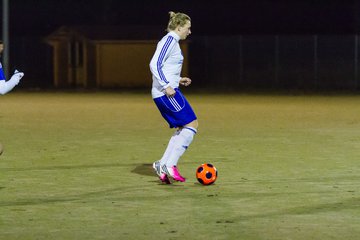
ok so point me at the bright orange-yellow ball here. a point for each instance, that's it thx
(206, 174)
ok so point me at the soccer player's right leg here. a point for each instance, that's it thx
(169, 148)
(157, 166)
(162, 175)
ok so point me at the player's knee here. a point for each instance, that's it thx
(196, 123)
(193, 124)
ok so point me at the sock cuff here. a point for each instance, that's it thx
(177, 132)
(191, 129)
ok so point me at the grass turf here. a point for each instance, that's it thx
(78, 166)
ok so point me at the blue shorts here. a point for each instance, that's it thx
(176, 110)
(2, 75)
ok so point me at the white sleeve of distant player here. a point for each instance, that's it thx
(7, 86)
(157, 62)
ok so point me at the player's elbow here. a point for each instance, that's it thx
(152, 66)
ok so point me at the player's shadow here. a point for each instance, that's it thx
(144, 169)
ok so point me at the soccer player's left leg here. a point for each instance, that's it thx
(182, 142)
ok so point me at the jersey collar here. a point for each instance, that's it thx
(174, 35)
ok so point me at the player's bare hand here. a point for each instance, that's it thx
(170, 92)
(185, 81)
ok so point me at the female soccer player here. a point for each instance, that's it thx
(7, 86)
(165, 67)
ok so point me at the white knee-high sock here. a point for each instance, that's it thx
(169, 148)
(181, 143)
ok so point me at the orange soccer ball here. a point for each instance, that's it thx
(206, 174)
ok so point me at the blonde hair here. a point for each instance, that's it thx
(177, 19)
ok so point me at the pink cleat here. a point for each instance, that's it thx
(162, 176)
(174, 173)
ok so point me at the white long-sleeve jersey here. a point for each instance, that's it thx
(166, 64)
(7, 86)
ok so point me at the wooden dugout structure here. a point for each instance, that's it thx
(105, 57)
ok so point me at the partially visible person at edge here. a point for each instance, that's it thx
(7, 86)
(165, 67)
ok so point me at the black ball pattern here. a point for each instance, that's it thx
(200, 180)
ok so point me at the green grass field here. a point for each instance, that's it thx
(78, 166)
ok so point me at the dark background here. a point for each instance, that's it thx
(39, 17)
(216, 25)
